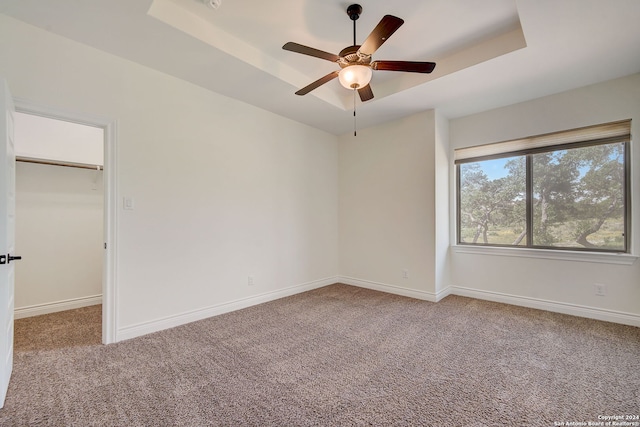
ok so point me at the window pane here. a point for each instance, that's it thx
(492, 202)
(578, 199)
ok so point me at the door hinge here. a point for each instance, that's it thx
(3, 259)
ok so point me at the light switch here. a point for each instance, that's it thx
(128, 203)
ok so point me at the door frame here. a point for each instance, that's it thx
(110, 127)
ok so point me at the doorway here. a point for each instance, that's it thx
(60, 214)
(89, 176)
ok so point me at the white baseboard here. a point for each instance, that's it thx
(393, 289)
(554, 306)
(540, 304)
(54, 307)
(144, 328)
(140, 329)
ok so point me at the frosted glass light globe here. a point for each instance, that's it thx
(355, 76)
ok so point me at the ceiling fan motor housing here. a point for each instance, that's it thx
(350, 56)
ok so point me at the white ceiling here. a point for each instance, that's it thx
(489, 53)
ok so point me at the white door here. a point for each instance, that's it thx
(7, 236)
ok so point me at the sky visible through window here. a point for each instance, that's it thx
(495, 168)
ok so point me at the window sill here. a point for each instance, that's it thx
(600, 257)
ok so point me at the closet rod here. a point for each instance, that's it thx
(58, 163)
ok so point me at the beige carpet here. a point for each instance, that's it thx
(335, 356)
(81, 327)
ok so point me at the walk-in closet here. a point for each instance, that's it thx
(59, 215)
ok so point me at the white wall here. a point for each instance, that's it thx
(388, 194)
(563, 283)
(443, 218)
(222, 190)
(59, 235)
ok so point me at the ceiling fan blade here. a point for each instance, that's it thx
(407, 66)
(387, 26)
(365, 93)
(306, 50)
(305, 90)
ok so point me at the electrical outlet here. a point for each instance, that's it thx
(600, 289)
(250, 281)
(405, 274)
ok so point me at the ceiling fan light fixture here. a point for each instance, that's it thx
(213, 4)
(355, 76)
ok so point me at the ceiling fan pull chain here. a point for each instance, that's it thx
(354, 113)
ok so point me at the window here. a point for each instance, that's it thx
(567, 190)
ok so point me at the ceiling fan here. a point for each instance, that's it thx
(355, 61)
